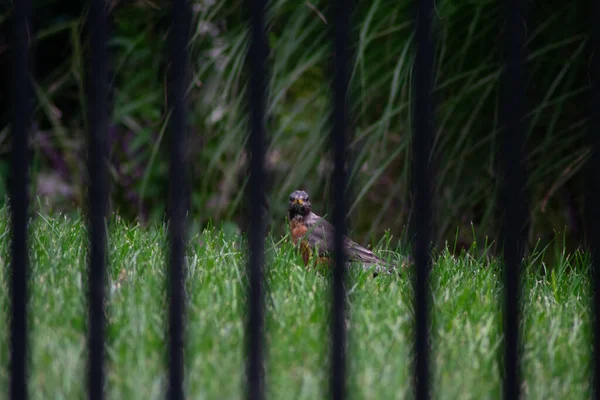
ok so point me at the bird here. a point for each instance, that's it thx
(314, 236)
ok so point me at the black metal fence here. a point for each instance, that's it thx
(513, 199)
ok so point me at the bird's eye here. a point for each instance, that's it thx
(291, 198)
(306, 198)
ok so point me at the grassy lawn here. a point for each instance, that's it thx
(466, 322)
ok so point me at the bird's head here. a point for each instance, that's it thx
(299, 204)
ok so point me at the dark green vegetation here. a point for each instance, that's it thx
(466, 322)
(467, 80)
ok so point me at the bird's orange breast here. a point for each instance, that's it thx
(298, 229)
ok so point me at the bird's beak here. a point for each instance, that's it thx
(299, 201)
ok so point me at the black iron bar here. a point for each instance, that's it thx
(421, 184)
(592, 197)
(179, 37)
(97, 194)
(512, 101)
(257, 57)
(19, 199)
(339, 192)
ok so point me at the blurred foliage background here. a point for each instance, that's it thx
(468, 63)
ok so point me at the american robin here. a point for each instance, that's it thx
(315, 235)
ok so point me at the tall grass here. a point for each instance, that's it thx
(468, 66)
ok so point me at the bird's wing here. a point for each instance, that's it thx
(358, 253)
(320, 235)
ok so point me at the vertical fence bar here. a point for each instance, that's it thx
(19, 200)
(512, 100)
(421, 184)
(592, 197)
(97, 194)
(179, 36)
(339, 131)
(592, 214)
(257, 57)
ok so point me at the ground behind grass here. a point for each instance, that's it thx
(466, 322)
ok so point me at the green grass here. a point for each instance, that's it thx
(466, 326)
